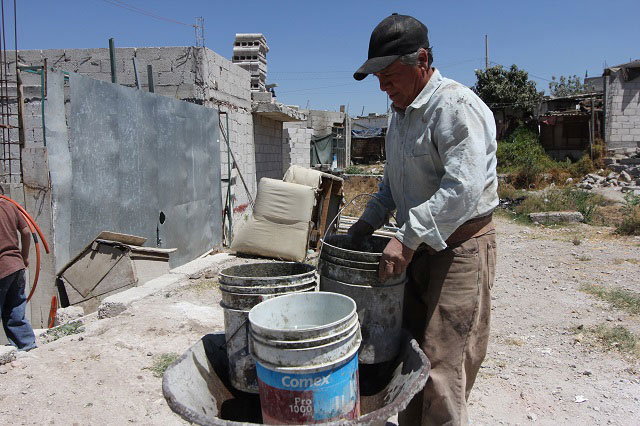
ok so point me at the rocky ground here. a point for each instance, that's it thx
(544, 365)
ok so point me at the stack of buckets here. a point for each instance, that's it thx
(353, 271)
(242, 288)
(306, 350)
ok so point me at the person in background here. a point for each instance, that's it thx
(14, 259)
(440, 177)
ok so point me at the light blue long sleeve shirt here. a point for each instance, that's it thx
(441, 165)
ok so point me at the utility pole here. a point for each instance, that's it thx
(199, 27)
(486, 51)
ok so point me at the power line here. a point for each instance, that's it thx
(532, 75)
(317, 88)
(135, 9)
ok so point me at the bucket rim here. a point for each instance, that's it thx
(324, 242)
(304, 329)
(336, 363)
(311, 271)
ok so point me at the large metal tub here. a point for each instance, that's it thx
(196, 386)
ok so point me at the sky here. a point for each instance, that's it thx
(315, 47)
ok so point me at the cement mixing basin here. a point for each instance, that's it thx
(197, 387)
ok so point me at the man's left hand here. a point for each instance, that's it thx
(395, 259)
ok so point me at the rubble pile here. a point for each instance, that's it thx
(613, 179)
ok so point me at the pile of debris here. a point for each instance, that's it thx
(613, 179)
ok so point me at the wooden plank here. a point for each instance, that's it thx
(123, 238)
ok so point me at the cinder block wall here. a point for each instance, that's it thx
(296, 147)
(192, 74)
(267, 136)
(622, 121)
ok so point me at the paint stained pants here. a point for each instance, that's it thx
(447, 310)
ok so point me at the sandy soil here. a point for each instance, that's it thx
(537, 368)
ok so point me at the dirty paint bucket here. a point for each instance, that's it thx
(306, 351)
(243, 287)
(353, 271)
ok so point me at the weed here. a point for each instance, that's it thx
(621, 261)
(584, 258)
(618, 298)
(616, 338)
(67, 329)
(513, 341)
(161, 362)
(631, 223)
(576, 240)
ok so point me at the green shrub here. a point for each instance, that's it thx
(522, 150)
(631, 223)
(582, 167)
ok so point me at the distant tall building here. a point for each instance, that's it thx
(250, 53)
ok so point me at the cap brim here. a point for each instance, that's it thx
(374, 65)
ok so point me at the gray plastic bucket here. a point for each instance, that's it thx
(346, 270)
(306, 350)
(242, 288)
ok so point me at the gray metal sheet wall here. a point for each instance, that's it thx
(133, 155)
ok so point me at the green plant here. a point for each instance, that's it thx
(584, 202)
(616, 338)
(630, 225)
(161, 362)
(581, 167)
(63, 330)
(566, 86)
(618, 298)
(498, 86)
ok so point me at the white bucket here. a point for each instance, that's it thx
(306, 350)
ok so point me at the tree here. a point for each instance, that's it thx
(501, 87)
(566, 86)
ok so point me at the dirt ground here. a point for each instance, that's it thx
(542, 365)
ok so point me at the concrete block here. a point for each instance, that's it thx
(70, 313)
(7, 354)
(556, 217)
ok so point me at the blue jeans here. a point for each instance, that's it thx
(12, 305)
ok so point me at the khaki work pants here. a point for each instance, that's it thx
(447, 306)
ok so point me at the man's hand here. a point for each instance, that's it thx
(395, 259)
(359, 231)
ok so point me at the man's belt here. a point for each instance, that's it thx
(470, 229)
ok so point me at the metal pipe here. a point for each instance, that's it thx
(150, 78)
(112, 58)
(230, 211)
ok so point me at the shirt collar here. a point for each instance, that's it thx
(425, 94)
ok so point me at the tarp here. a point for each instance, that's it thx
(371, 132)
(321, 149)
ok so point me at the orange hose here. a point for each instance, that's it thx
(37, 247)
(29, 219)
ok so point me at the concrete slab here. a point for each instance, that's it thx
(199, 265)
(118, 303)
(7, 354)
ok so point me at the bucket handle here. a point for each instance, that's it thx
(338, 215)
(243, 325)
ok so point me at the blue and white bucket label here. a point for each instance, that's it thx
(309, 398)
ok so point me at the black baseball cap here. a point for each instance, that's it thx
(395, 36)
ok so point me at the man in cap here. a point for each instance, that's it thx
(440, 177)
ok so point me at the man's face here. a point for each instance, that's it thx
(401, 82)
